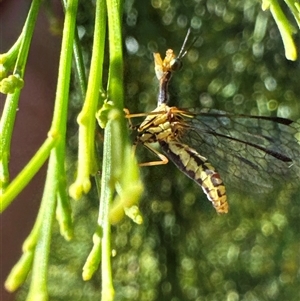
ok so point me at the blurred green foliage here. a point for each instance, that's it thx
(184, 250)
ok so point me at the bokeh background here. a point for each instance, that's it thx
(183, 250)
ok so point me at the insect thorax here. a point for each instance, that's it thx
(162, 124)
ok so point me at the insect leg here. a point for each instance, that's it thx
(163, 159)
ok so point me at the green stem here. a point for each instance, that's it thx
(107, 191)
(63, 209)
(59, 122)
(78, 60)
(38, 287)
(41, 234)
(86, 118)
(93, 260)
(115, 83)
(27, 33)
(21, 269)
(8, 59)
(6, 128)
(80, 70)
(285, 30)
(12, 101)
(294, 7)
(115, 93)
(63, 81)
(24, 177)
(58, 128)
(112, 154)
(115, 80)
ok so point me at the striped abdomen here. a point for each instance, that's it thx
(198, 169)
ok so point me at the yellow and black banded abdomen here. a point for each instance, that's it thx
(198, 169)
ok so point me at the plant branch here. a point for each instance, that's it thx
(86, 118)
(12, 101)
(285, 29)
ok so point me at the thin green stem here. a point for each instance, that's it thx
(6, 129)
(39, 240)
(113, 153)
(80, 70)
(115, 90)
(63, 81)
(63, 210)
(21, 269)
(24, 177)
(78, 60)
(294, 7)
(12, 101)
(285, 30)
(8, 59)
(95, 80)
(59, 122)
(86, 118)
(19, 272)
(115, 84)
(27, 34)
(116, 95)
(38, 287)
(107, 191)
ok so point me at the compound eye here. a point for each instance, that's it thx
(176, 64)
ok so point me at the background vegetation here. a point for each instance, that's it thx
(184, 250)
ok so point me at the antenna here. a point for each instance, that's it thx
(183, 51)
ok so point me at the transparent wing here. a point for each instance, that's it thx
(248, 151)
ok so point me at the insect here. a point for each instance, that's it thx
(246, 149)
